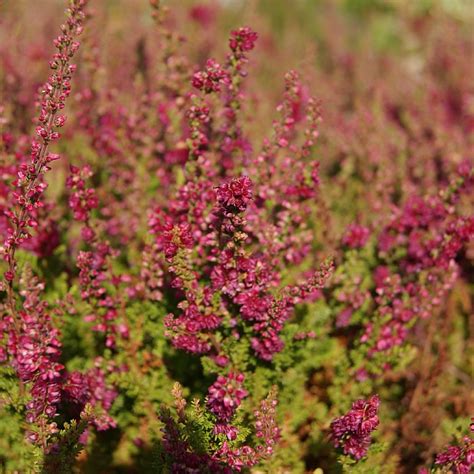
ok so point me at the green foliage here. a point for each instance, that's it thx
(69, 446)
(376, 462)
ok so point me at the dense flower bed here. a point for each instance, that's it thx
(194, 282)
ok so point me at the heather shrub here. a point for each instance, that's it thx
(236, 248)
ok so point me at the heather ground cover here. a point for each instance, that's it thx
(237, 236)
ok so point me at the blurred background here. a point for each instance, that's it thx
(348, 35)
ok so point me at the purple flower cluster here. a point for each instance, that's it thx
(265, 425)
(190, 327)
(225, 395)
(356, 236)
(169, 237)
(421, 239)
(93, 275)
(94, 264)
(212, 78)
(198, 117)
(352, 431)
(428, 230)
(458, 459)
(33, 351)
(80, 389)
(243, 39)
(82, 199)
(235, 195)
(216, 225)
(266, 430)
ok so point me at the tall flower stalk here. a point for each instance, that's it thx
(29, 183)
(33, 342)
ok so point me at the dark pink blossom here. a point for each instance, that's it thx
(225, 395)
(243, 39)
(356, 236)
(235, 194)
(211, 78)
(458, 459)
(352, 431)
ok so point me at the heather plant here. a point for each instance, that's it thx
(232, 257)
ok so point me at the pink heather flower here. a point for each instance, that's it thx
(91, 388)
(344, 317)
(53, 95)
(235, 195)
(352, 431)
(179, 237)
(203, 14)
(253, 306)
(458, 459)
(265, 423)
(34, 349)
(212, 78)
(356, 236)
(225, 395)
(189, 342)
(46, 237)
(82, 200)
(268, 342)
(228, 430)
(266, 430)
(170, 237)
(221, 360)
(243, 39)
(380, 275)
(237, 458)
